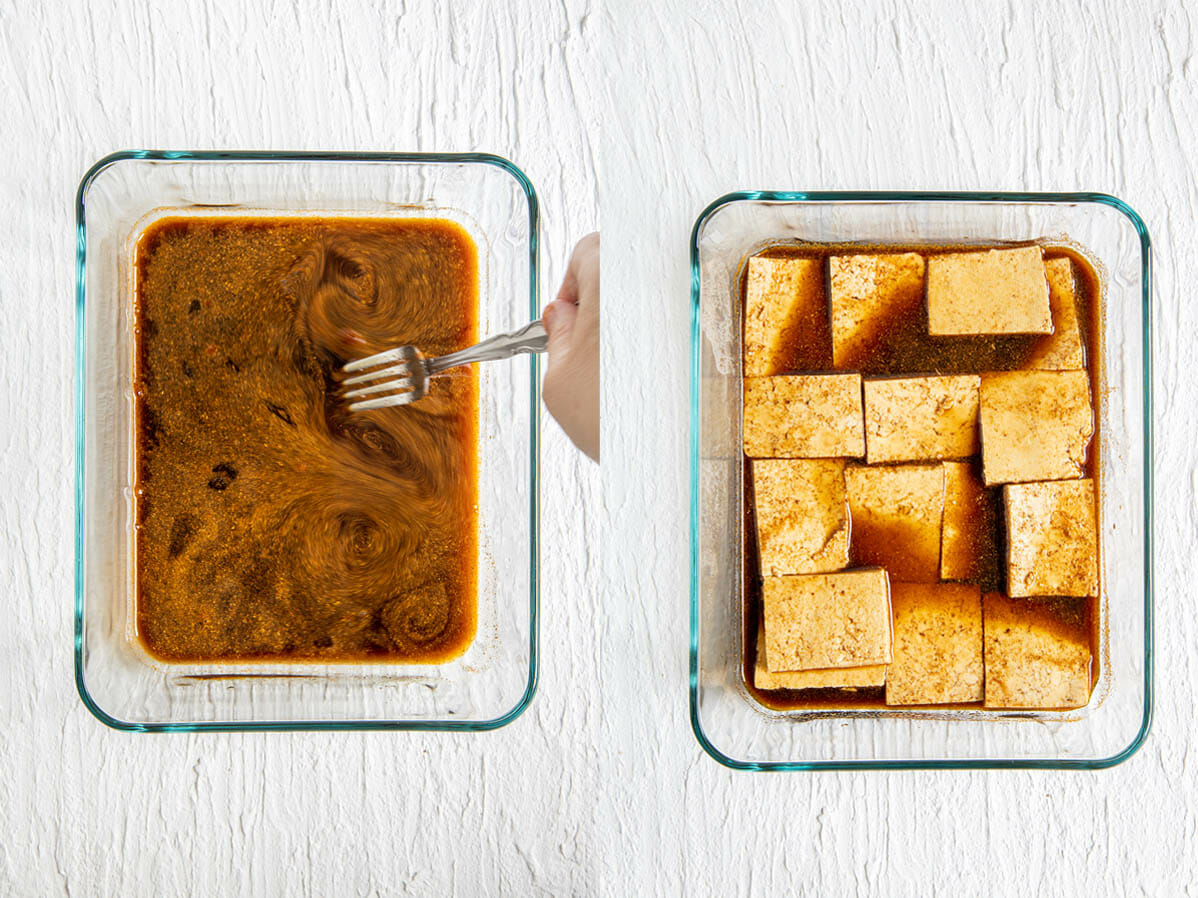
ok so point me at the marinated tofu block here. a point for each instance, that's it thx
(1037, 653)
(997, 291)
(815, 621)
(968, 538)
(869, 295)
(917, 418)
(802, 515)
(1036, 425)
(804, 416)
(828, 677)
(786, 316)
(1052, 539)
(895, 513)
(1062, 349)
(937, 644)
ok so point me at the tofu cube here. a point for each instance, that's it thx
(918, 418)
(1036, 425)
(895, 513)
(968, 538)
(1052, 539)
(816, 621)
(824, 678)
(802, 515)
(1062, 349)
(804, 416)
(1037, 653)
(786, 316)
(869, 296)
(937, 644)
(996, 291)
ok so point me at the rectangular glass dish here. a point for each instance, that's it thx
(123, 685)
(740, 732)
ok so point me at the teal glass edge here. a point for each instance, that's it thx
(534, 438)
(1146, 312)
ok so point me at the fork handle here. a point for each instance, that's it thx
(530, 338)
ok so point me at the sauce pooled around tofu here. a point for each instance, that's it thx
(272, 523)
(834, 490)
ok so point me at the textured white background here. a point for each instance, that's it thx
(88, 811)
(1041, 96)
(595, 790)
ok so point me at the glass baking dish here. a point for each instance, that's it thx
(489, 685)
(741, 733)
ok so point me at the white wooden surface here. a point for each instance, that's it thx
(88, 811)
(600, 788)
(720, 96)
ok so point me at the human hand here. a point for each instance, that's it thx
(571, 387)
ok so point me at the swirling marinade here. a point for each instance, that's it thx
(272, 524)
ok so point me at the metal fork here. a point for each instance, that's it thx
(406, 377)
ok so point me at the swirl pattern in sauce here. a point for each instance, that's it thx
(271, 523)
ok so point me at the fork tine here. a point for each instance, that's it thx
(403, 368)
(384, 402)
(398, 354)
(402, 383)
(380, 358)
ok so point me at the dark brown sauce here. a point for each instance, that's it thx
(272, 524)
(907, 349)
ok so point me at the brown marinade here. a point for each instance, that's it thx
(272, 524)
(907, 349)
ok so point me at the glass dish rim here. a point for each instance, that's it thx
(899, 197)
(208, 156)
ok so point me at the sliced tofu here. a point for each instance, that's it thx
(1052, 539)
(786, 316)
(802, 515)
(868, 296)
(816, 621)
(1036, 425)
(1037, 653)
(968, 539)
(895, 513)
(828, 677)
(1062, 349)
(804, 416)
(996, 291)
(918, 418)
(937, 644)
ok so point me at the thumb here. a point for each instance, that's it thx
(559, 318)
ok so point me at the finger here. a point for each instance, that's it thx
(568, 291)
(559, 318)
(584, 255)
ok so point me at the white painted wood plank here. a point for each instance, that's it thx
(88, 811)
(596, 790)
(1037, 96)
